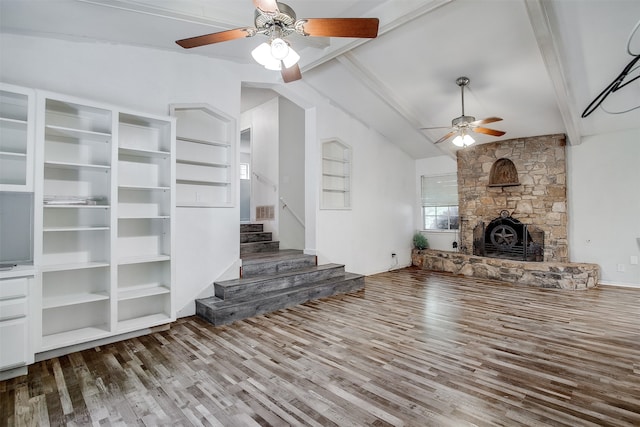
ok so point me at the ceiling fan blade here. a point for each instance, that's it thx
(488, 131)
(269, 7)
(218, 37)
(290, 74)
(485, 121)
(341, 27)
(447, 136)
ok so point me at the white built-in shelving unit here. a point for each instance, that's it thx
(145, 221)
(103, 220)
(17, 109)
(73, 220)
(336, 175)
(204, 161)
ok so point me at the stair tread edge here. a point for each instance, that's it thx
(289, 273)
(247, 299)
(274, 258)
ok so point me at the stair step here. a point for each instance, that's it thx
(271, 255)
(253, 247)
(249, 286)
(251, 228)
(221, 312)
(273, 263)
(256, 236)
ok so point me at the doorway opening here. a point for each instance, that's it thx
(272, 165)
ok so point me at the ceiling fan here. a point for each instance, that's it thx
(463, 124)
(277, 20)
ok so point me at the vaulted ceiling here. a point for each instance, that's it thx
(536, 63)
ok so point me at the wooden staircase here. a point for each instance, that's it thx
(253, 239)
(272, 279)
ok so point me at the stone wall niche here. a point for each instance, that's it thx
(538, 165)
(503, 174)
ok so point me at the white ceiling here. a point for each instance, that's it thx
(535, 63)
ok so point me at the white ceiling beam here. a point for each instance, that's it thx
(386, 95)
(162, 12)
(392, 14)
(224, 18)
(543, 31)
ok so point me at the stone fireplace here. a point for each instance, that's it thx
(512, 198)
(526, 178)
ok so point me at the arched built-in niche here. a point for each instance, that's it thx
(503, 174)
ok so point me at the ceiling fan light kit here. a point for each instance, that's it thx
(277, 20)
(274, 54)
(460, 126)
(463, 140)
(279, 49)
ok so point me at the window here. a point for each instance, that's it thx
(440, 202)
(244, 171)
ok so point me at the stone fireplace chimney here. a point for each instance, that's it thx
(536, 193)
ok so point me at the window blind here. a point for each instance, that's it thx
(441, 190)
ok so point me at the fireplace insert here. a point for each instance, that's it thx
(508, 238)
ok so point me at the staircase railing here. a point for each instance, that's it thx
(263, 179)
(285, 205)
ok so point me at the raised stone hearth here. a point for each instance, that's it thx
(560, 275)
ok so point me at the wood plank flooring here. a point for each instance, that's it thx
(413, 349)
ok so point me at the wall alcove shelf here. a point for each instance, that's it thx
(336, 175)
(204, 156)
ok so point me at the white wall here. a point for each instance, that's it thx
(245, 188)
(440, 240)
(291, 183)
(381, 220)
(206, 240)
(604, 204)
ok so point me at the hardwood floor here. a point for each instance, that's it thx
(414, 348)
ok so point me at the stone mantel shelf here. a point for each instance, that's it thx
(559, 275)
(511, 184)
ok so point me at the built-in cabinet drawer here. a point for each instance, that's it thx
(14, 350)
(13, 288)
(12, 309)
(14, 331)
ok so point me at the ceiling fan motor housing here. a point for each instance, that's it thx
(462, 121)
(284, 19)
(462, 81)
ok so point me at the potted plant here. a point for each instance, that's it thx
(419, 241)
